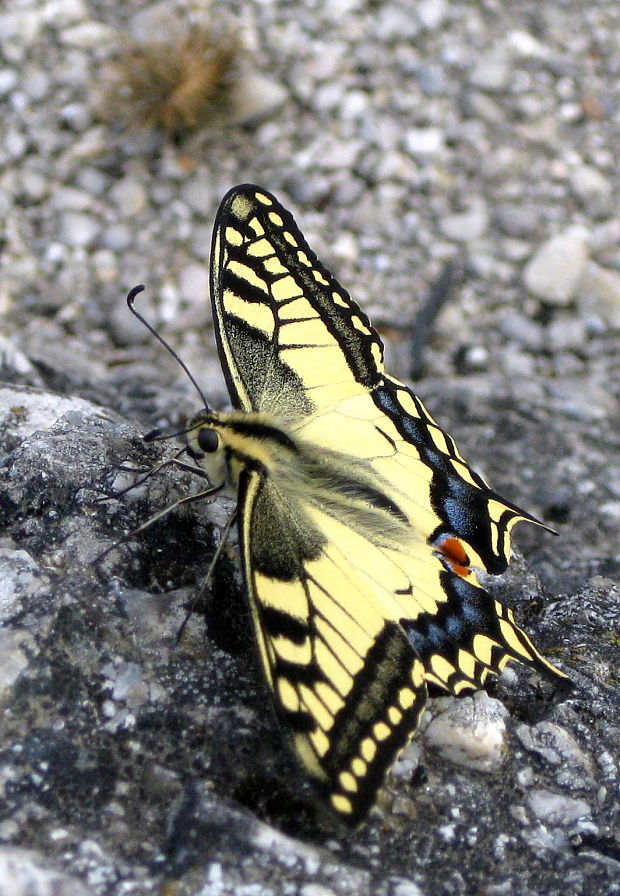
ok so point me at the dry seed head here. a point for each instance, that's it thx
(179, 84)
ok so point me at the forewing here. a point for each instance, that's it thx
(291, 339)
(347, 683)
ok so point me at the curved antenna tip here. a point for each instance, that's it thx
(131, 295)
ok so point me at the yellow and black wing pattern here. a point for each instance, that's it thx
(360, 523)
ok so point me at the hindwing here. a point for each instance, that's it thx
(348, 684)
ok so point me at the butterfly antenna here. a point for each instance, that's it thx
(131, 298)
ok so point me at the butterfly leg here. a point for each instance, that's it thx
(188, 499)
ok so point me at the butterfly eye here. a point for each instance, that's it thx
(208, 440)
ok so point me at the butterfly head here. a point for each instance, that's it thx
(205, 446)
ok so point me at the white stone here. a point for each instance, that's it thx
(76, 116)
(471, 732)
(19, 577)
(423, 141)
(78, 229)
(402, 887)
(393, 24)
(554, 809)
(8, 80)
(15, 644)
(431, 13)
(491, 71)
(554, 272)
(255, 97)
(63, 12)
(599, 294)
(588, 182)
(27, 873)
(129, 196)
(67, 198)
(15, 144)
(194, 284)
(88, 34)
(524, 44)
(566, 333)
(468, 225)
(105, 265)
(152, 21)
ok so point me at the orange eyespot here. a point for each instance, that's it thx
(451, 550)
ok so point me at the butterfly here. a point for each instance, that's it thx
(360, 524)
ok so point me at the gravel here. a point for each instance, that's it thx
(402, 136)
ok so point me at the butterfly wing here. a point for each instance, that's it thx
(291, 340)
(294, 345)
(348, 684)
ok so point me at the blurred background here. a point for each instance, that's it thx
(455, 164)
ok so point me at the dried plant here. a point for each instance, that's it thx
(178, 84)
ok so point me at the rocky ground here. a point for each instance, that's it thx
(409, 140)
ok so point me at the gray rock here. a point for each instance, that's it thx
(27, 873)
(20, 579)
(516, 220)
(194, 285)
(566, 333)
(522, 330)
(575, 770)
(117, 237)
(197, 192)
(168, 766)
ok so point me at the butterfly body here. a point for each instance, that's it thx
(360, 524)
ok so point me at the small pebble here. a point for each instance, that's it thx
(556, 809)
(423, 141)
(78, 229)
(599, 294)
(554, 272)
(469, 225)
(15, 646)
(471, 732)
